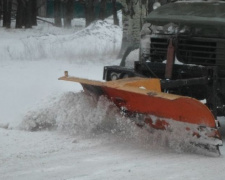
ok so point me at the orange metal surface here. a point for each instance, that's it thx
(136, 84)
(142, 95)
(181, 109)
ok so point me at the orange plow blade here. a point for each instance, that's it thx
(142, 97)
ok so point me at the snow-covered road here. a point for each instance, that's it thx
(53, 155)
(76, 141)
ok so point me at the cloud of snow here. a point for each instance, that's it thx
(77, 113)
(80, 114)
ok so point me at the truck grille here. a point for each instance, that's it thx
(202, 51)
(158, 49)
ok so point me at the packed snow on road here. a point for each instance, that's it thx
(51, 129)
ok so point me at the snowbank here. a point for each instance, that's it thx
(100, 40)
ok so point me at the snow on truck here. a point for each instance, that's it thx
(178, 83)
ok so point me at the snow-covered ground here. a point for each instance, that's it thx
(49, 129)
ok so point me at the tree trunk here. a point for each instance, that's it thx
(115, 17)
(7, 8)
(0, 11)
(134, 11)
(41, 8)
(69, 13)
(34, 14)
(89, 12)
(102, 10)
(125, 38)
(57, 13)
(28, 14)
(20, 14)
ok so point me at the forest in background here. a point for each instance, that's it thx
(25, 13)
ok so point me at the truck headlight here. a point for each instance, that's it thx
(156, 5)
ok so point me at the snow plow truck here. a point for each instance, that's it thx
(178, 82)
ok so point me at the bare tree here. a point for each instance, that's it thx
(41, 8)
(57, 13)
(7, 8)
(133, 14)
(0, 11)
(102, 10)
(26, 15)
(89, 11)
(69, 12)
(114, 11)
(34, 14)
(20, 22)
